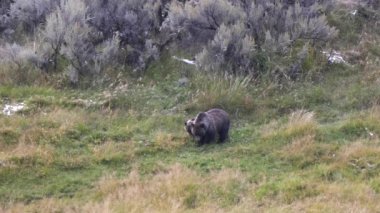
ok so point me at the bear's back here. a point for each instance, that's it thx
(219, 116)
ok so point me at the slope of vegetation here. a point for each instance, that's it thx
(309, 144)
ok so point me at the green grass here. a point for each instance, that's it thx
(310, 145)
(59, 149)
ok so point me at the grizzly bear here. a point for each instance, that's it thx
(206, 126)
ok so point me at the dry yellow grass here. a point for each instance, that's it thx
(300, 123)
(24, 151)
(24, 137)
(337, 198)
(357, 150)
(268, 130)
(362, 156)
(65, 118)
(175, 189)
(165, 192)
(346, 197)
(110, 150)
(334, 197)
(300, 145)
(178, 189)
(41, 126)
(168, 141)
(46, 205)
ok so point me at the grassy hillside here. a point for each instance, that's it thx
(306, 146)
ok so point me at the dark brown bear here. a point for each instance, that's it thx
(206, 126)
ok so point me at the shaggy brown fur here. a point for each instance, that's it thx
(206, 126)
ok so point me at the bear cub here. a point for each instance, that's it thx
(206, 126)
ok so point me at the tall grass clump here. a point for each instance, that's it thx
(301, 121)
(230, 93)
(300, 124)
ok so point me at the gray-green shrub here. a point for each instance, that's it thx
(137, 22)
(242, 37)
(234, 33)
(31, 13)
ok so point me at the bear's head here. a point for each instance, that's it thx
(200, 125)
(189, 126)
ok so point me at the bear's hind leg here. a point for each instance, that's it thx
(223, 134)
